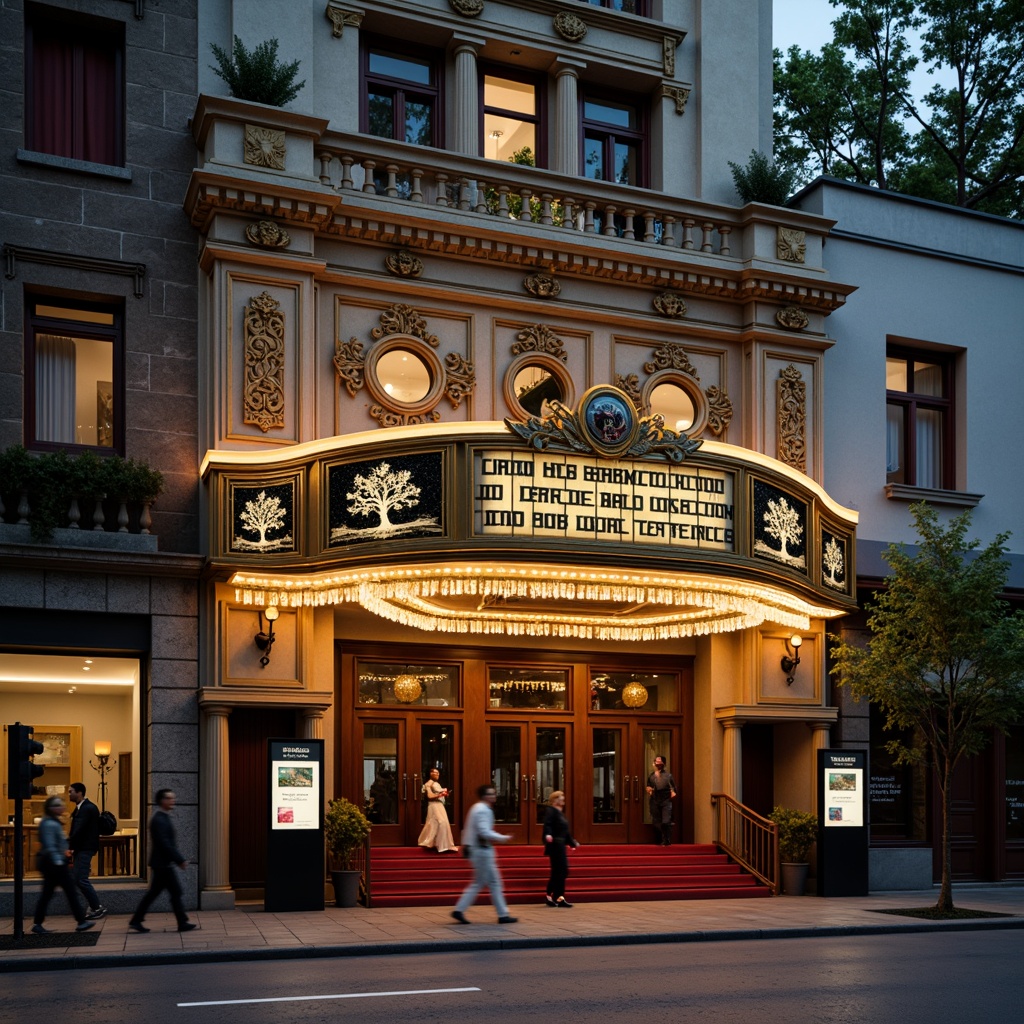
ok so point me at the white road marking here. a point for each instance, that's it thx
(343, 995)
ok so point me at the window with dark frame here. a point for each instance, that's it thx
(513, 128)
(614, 140)
(74, 86)
(402, 95)
(640, 7)
(74, 377)
(919, 418)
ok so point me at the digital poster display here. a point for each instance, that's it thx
(843, 787)
(295, 789)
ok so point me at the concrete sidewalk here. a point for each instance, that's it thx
(248, 933)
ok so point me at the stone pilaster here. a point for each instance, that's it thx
(567, 126)
(465, 136)
(216, 892)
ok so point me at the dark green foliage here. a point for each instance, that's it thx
(762, 181)
(257, 75)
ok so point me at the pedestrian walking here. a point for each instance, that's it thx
(558, 840)
(52, 861)
(83, 845)
(163, 856)
(661, 789)
(478, 839)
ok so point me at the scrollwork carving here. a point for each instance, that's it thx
(267, 235)
(539, 338)
(791, 406)
(668, 55)
(677, 93)
(264, 147)
(467, 8)
(569, 26)
(630, 385)
(671, 357)
(263, 387)
(339, 19)
(403, 319)
(791, 244)
(404, 263)
(387, 418)
(669, 305)
(719, 409)
(542, 286)
(792, 318)
(460, 378)
(349, 363)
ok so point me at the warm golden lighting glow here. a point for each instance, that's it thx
(634, 695)
(102, 748)
(407, 689)
(524, 600)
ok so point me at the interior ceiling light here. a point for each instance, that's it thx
(586, 603)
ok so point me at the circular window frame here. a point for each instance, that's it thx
(596, 394)
(407, 343)
(684, 382)
(546, 362)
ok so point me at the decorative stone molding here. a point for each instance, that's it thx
(630, 384)
(403, 264)
(677, 93)
(339, 19)
(719, 409)
(792, 318)
(348, 364)
(11, 254)
(263, 387)
(539, 338)
(569, 26)
(460, 378)
(402, 319)
(791, 411)
(467, 8)
(669, 305)
(670, 356)
(267, 235)
(542, 286)
(791, 244)
(264, 147)
(668, 55)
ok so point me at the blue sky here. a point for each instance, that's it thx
(808, 23)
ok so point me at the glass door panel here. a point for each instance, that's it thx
(607, 763)
(381, 765)
(656, 743)
(549, 776)
(506, 763)
(528, 763)
(437, 750)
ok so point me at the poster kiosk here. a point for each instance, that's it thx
(295, 815)
(842, 812)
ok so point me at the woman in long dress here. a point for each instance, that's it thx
(437, 832)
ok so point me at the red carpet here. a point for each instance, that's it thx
(414, 877)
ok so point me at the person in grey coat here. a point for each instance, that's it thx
(53, 863)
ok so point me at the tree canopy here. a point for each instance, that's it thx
(945, 659)
(850, 111)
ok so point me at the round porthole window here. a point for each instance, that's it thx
(677, 398)
(533, 382)
(404, 376)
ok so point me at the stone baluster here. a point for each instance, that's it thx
(325, 165)
(74, 513)
(98, 517)
(545, 208)
(346, 172)
(503, 191)
(588, 219)
(688, 223)
(24, 509)
(145, 519)
(708, 228)
(441, 179)
(725, 231)
(416, 195)
(649, 235)
(628, 231)
(122, 515)
(392, 188)
(668, 230)
(466, 190)
(525, 213)
(569, 210)
(369, 185)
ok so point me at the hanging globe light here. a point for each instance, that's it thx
(408, 689)
(634, 695)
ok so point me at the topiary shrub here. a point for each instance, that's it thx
(345, 831)
(257, 75)
(798, 832)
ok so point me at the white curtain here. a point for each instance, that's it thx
(55, 389)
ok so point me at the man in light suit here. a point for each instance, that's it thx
(479, 837)
(83, 842)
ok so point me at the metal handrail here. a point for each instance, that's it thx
(751, 840)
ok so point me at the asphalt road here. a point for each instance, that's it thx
(927, 978)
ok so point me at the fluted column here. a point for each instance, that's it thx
(214, 849)
(567, 120)
(732, 759)
(819, 741)
(312, 724)
(465, 136)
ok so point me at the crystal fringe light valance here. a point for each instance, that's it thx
(460, 599)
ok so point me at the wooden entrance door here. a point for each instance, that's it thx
(622, 753)
(396, 757)
(529, 761)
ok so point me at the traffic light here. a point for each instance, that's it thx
(20, 769)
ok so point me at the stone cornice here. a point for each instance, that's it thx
(226, 108)
(262, 696)
(741, 713)
(209, 193)
(101, 561)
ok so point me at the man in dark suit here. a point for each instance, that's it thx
(83, 842)
(163, 855)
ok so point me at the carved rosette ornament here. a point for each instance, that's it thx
(719, 409)
(791, 406)
(792, 318)
(569, 26)
(267, 235)
(669, 305)
(539, 338)
(403, 264)
(402, 319)
(671, 357)
(791, 244)
(264, 147)
(467, 8)
(542, 286)
(348, 364)
(263, 387)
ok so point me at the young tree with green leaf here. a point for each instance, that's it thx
(945, 658)
(257, 75)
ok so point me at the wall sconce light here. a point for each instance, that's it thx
(264, 641)
(102, 750)
(791, 658)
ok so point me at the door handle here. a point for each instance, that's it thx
(526, 788)
(415, 784)
(533, 782)
(636, 783)
(405, 786)
(625, 789)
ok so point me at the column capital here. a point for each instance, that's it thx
(465, 41)
(213, 710)
(567, 66)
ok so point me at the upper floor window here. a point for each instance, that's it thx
(629, 6)
(74, 86)
(401, 96)
(919, 418)
(74, 385)
(614, 137)
(512, 128)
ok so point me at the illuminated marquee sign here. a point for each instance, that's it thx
(540, 494)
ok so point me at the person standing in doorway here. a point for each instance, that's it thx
(478, 839)
(661, 790)
(437, 832)
(83, 844)
(557, 842)
(52, 861)
(163, 856)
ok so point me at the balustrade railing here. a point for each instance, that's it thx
(751, 841)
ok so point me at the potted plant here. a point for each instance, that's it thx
(798, 831)
(345, 831)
